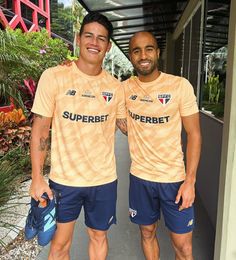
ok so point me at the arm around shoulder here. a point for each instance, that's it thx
(121, 123)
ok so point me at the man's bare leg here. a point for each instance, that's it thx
(98, 244)
(149, 241)
(61, 242)
(182, 244)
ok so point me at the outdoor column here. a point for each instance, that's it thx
(225, 248)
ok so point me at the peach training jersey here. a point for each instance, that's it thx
(154, 112)
(84, 111)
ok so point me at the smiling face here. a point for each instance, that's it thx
(144, 55)
(94, 44)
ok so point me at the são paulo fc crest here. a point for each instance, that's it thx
(107, 96)
(164, 98)
(132, 212)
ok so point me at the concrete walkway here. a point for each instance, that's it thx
(124, 242)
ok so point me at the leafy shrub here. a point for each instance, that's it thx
(28, 90)
(14, 137)
(14, 169)
(24, 56)
(20, 157)
(12, 118)
(16, 63)
(218, 110)
(213, 96)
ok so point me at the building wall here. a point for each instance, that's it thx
(225, 248)
(209, 167)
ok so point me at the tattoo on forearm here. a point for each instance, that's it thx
(44, 144)
(122, 125)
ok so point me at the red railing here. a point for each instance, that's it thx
(43, 8)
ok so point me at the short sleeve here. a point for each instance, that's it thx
(121, 109)
(44, 101)
(188, 101)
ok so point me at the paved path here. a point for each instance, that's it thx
(124, 243)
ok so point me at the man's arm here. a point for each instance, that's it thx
(121, 123)
(38, 148)
(187, 189)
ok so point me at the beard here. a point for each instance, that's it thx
(145, 71)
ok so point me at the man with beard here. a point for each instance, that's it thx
(157, 106)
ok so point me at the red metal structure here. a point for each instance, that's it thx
(43, 9)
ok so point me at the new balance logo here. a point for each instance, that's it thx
(190, 223)
(71, 92)
(133, 97)
(110, 220)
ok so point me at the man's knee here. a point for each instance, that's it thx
(184, 249)
(97, 236)
(58, 249)
(182, 244)
(149, 231)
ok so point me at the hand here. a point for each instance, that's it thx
(38, 187)
(121, 123)
(187, 193)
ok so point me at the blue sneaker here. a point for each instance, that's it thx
(41, 221)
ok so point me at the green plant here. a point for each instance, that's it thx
(218, 110)
(214, 87)
(14, 168)
(14, 137)
(117, 63)
(62, 19)
(49, 51)
(25, 56)
(28, 90)
(213, 96)
(16, 63)
(21, 158)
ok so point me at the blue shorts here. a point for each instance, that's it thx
(147, 199)
(99, 204)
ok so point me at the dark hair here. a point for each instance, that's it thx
(99, 18)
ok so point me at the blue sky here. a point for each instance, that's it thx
(65, 2)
